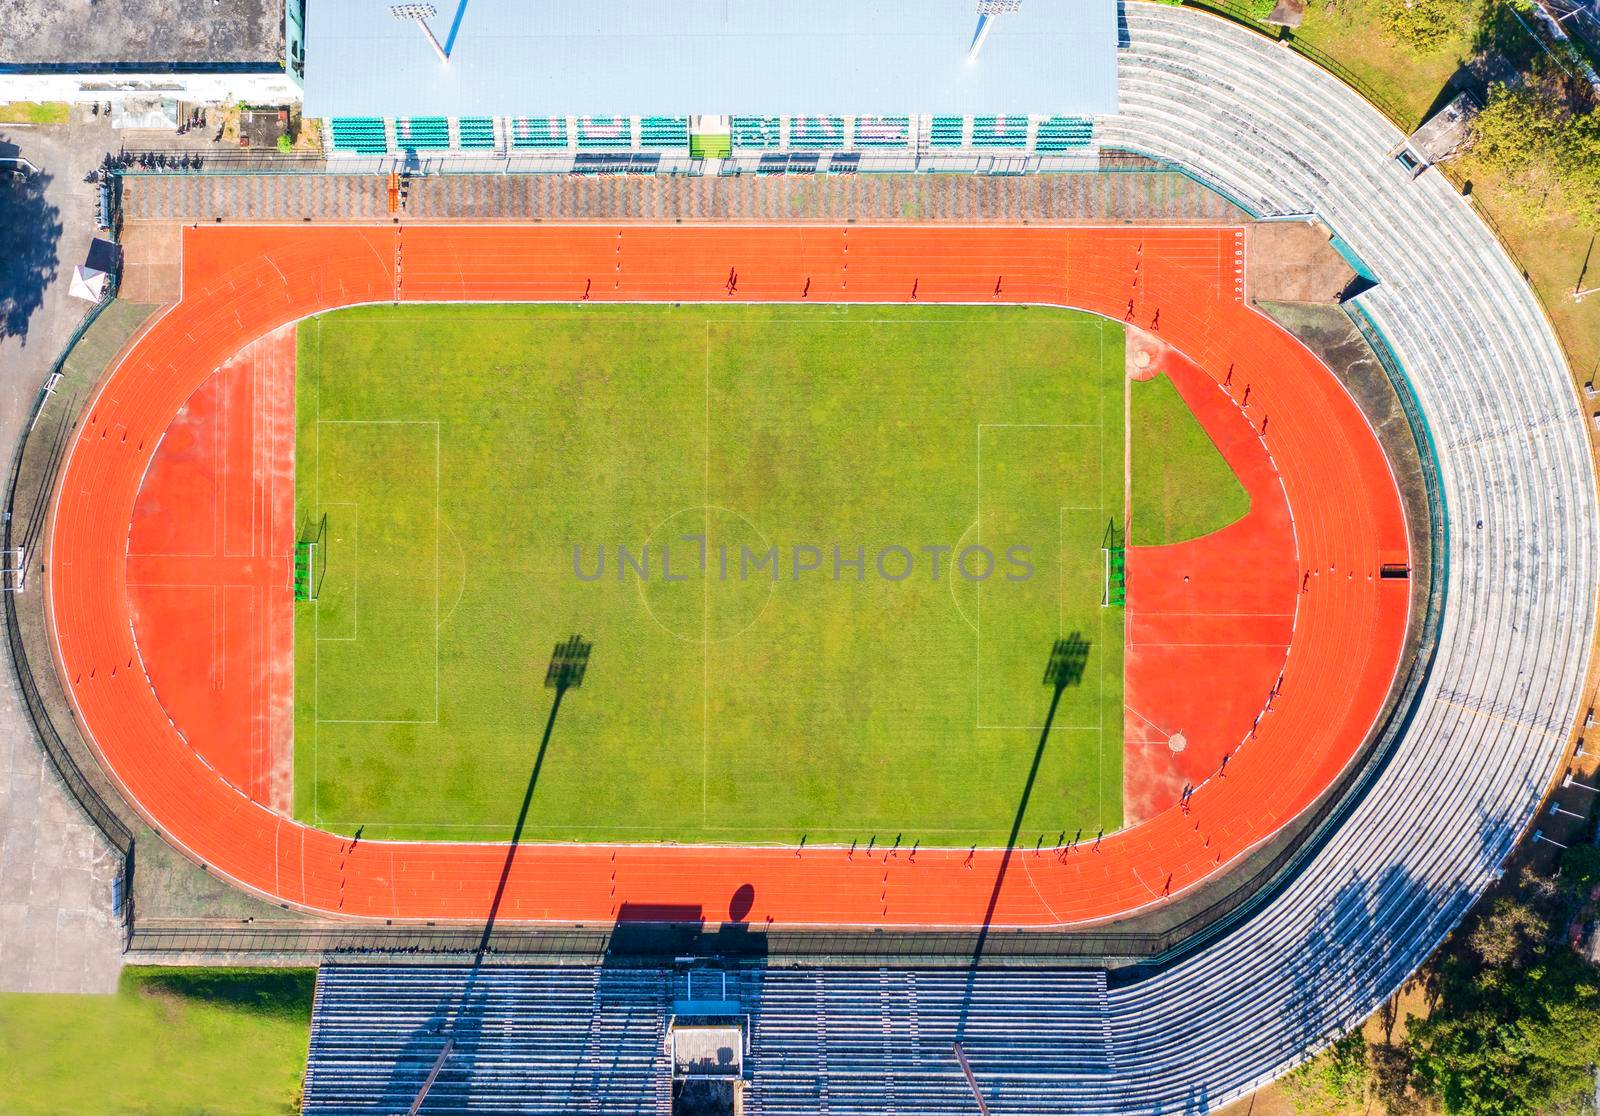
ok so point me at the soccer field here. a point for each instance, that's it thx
(772, 523)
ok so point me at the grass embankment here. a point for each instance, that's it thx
(170, 1042)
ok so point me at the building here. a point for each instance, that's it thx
(195, 51)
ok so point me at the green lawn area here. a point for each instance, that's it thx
(461, 455)
(34, 112)
(170, 1042)
(1182, 487)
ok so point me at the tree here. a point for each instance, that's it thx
(1424, 26)
(1517, 1025)
(1543, 139)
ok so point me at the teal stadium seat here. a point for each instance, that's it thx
(946, 131)
(1063, 133)
(606, 131)
(663, 131)
(476, 132)
(422, 133)
(816, 133)
(755, 131)
(538, 132)
(882, 131)
(999, 131)
(363, 134)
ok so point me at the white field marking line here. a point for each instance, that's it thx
(316, 613)
(1127, 503)
(320, 719)
(705, 606)
(977, 596)
(355, 562)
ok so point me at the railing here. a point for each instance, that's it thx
(84, 792)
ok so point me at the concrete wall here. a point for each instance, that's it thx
(273, 88)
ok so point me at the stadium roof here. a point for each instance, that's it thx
(761, 57)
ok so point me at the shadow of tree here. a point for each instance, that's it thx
(30, 230)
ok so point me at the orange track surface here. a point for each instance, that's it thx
(209, 573)
(1208, 622)
(1184, 284)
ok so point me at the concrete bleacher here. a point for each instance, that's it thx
(878, 1041)
(1283, 137)
(819, 1042)
(525, 1040)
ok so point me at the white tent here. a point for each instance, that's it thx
(88, 284)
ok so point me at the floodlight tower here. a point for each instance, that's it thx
(420, 14)
(987, 10)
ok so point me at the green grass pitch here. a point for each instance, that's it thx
(461, 453)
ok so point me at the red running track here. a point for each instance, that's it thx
(240, 284)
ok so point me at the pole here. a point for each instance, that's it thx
(972, 1082)
(433, 1075)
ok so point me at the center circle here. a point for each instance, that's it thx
(710, 573)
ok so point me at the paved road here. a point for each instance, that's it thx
(58, 932)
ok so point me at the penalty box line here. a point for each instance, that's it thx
(356, 583)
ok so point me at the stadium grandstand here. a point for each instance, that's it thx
(712, 82)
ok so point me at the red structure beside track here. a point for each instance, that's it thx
(1185, 285)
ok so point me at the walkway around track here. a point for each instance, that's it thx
(241, 283)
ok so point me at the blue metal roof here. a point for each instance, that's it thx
(773, 57)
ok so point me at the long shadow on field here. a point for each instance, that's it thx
(1068, 658)
(568, 662)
